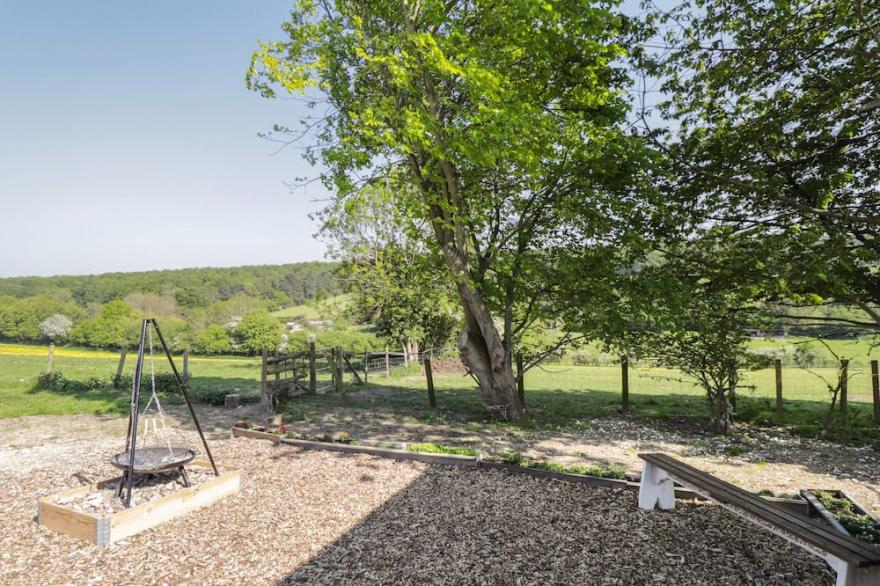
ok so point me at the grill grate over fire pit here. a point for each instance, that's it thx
(154, 460)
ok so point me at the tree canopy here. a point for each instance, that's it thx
(504, 118)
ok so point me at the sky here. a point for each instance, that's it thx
(128, 140)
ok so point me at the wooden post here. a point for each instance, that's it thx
(121, 365)
(844, 375)
(51, 357)
(779, 403)
(520, 381)
(624, 381)
(185, 364)
(875, 387)
(340, 387)
(366, 365)
(313, 373)
(429, 376)
(387, 363)
(264, 382)
(405, 355)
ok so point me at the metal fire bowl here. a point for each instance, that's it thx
(154, 460)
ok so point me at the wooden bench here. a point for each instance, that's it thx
(856, 562)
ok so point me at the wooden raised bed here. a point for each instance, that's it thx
(829, 517)
(119, 525)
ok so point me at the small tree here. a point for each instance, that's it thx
(688, 311)
(712, 349)
(805, 358)
(258, 330)
(213, 340)
(56, 327)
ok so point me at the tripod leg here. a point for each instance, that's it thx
(184, 477)
(135, 407)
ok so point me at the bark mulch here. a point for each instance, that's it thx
(313, 517)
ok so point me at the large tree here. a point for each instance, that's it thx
(771, 113)
(504, 118)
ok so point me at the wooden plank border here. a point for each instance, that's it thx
(794, 505)
(122, 524)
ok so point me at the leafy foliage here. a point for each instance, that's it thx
(258, 331)
(213, 340)
(394, 280)
(775, 136)
(190, 288)
(117, 326)
(56, 326)
(510, 145)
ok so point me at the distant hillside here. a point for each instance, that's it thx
(282, 285)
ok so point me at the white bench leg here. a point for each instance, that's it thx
(852, 575)
(656, 489)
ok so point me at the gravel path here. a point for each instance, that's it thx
(321, 517)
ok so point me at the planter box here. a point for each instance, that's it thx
(829, 517)
(121, 524)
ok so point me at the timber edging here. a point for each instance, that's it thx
(683, 493)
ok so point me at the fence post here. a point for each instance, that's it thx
(340, 387)
(366, 364)
(844, 368)
(624, 381)
(264, 382)
(430, 378)
(121, 366)
(777, 364)
(186, 365)
(313, 373)
(520, 381)
(387, 363)
(51, 357)
(875, 387)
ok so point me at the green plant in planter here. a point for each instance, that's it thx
(861, 527)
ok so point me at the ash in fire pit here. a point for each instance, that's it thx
(148, 488)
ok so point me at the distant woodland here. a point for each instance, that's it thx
(199, 308)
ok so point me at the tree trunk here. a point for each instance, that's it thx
(483, 352)
(720, 412)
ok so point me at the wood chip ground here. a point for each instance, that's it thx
(313, 517)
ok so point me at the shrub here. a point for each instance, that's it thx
(165, 382)
(213, 340)
(258, 330)
(56, 381)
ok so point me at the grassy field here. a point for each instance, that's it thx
(557, 395)
(327, 309)
(20, 365)
(564, 396)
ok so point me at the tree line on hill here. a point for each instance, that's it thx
(209, 310)
(664, 182)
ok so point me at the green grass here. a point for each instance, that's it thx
(327, 309)
(557, 396)
(570, 396)
(20, 365)
(432, 448)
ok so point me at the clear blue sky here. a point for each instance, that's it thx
(128, 140)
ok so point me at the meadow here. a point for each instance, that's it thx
(557, 394)
(21, 365)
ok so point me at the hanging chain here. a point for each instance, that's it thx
(155, 397)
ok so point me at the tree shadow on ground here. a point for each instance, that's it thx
(458, 525)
